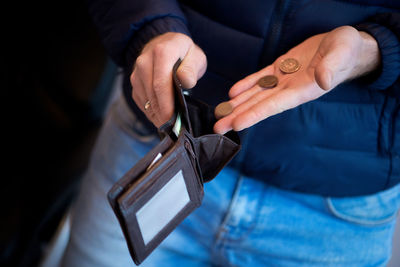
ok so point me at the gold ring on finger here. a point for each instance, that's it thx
(147, 105)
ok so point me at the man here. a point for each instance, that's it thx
(316, 182)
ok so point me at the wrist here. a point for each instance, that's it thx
(143, 34)
(369, 58)
(167, 37)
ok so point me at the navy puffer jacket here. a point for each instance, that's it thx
(345, 143)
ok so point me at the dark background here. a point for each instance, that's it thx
(53, 97)
(55, 83)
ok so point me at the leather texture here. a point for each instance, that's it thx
(197, 152)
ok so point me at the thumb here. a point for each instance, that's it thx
(332, 69)
(334, 60)
(323, 75)
(192, 68)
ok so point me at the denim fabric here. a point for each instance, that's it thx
(242, 221)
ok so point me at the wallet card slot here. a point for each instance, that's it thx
(146, 181)
(195, 156)
(177, 156)
(154, 191)
(132, 175)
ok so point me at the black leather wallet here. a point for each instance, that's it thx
(166, 185)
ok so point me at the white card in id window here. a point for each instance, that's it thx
(162, 207)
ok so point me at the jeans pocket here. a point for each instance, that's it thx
(371, 210)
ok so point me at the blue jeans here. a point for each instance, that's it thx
(242, 221)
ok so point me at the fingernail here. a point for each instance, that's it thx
(187, 77)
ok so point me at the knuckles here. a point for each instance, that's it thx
(141, 62)
(160, 50)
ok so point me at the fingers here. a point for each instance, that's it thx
(161, 86)
(323, 76)
(265, 107)
(329, 72)
(192, 67)
(240, 104)
(143, 90)
(327, 60)
(336, 57)
(264, 104)
(139, 98)
(152, 79)
(244, 94)
(139, 92)
(165, 54)
(250, 81)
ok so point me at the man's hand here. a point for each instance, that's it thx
(151, 78)
(326, 60)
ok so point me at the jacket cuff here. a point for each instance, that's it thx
(144, 31)
(389, 47)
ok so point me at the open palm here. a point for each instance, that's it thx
(326, 60)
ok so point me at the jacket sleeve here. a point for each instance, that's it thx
(125, 26)
(385, 28)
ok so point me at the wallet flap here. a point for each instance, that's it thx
(159, 199)
(141, 166)
(166, 185)
(180, 102)
(213, 151)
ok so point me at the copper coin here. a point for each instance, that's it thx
(268, 81)
(223, 109)
(289, 65)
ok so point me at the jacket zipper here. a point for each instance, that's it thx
(267, 56)
(274, 34)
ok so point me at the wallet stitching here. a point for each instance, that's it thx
(155, 173)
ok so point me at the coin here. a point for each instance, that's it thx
(268, 81)
(289, 65)
(223, 109)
